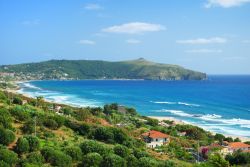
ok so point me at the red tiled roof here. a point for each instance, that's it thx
(238, 145)
(155, 134)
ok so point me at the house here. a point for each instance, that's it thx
(155, 138)
(234, 146)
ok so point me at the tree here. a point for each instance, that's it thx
(219, 137)
(103, 134)
(6, 136)
(147, 162)
(35, 158)
(19, 113)
(5, 119)
(50, 123)
(92, 160)
(121, 150)
(237, 140)
(132, 161)
(89, 146)
(74, 152)
(111, 160)
(22, 145)
(56, 157)
(39, 101)
(131, 111)
(29, 127)
(17, 100)
(7, 156)
(216, 160)
(238, 158)
(34, 143)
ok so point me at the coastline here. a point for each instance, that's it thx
(160, 118)
(180, 122)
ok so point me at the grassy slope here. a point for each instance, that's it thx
(95, 69)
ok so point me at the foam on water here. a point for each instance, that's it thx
(180, 103)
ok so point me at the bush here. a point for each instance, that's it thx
(121, 150)
(7, 156)
(92, 160)
(6, 136)
(4, 164)
(56, 157)
(19, 113)
(112, 160)
(29, 127)
(217, 160)
(22, 145)
(147, 162)
(74, 152)
(132, 161)
(90, 146)
(34, 143)
(17, 100)
(103, 134)
(5, 119)
(50, 123)
(35, 158)
(238, 158)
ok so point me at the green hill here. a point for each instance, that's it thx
(96, 69)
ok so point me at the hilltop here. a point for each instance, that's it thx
(97, 69)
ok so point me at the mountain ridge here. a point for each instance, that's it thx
(99, 69)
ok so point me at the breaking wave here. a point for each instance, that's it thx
(179, 103)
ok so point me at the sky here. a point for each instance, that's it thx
(212, 36)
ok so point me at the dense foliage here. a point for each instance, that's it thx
(86, 69)
(33, 134)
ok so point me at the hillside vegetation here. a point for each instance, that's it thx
(95, 69)
(35, 133)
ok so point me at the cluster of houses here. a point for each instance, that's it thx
(154, 138)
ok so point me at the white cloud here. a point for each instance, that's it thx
(203, 41)
(225, 3)
(86, 42)
(204, 51)
(31, 22)
(93, 6)
(133, 41)
(134, 28)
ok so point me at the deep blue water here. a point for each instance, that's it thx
(220, 104)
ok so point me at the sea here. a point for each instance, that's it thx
(220, 104)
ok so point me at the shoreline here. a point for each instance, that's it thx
(180, 122)
(159, 118)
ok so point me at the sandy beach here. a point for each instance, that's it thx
(176, 121)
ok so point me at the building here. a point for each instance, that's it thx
(234, 146)
(155, 138)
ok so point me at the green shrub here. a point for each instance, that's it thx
(5, 119)
(112, 160)
(29, 127)
(50, 123)
(17, 100)
(56, 157)
(147, 162)
(121, 150)
(6, 136)
(7, 156)
(74, 152)
(92, 160)
(19, 113)
(22, 145)
(90, 146)
(34, 143)
(35, 158)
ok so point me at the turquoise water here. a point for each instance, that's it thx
(220, 104)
